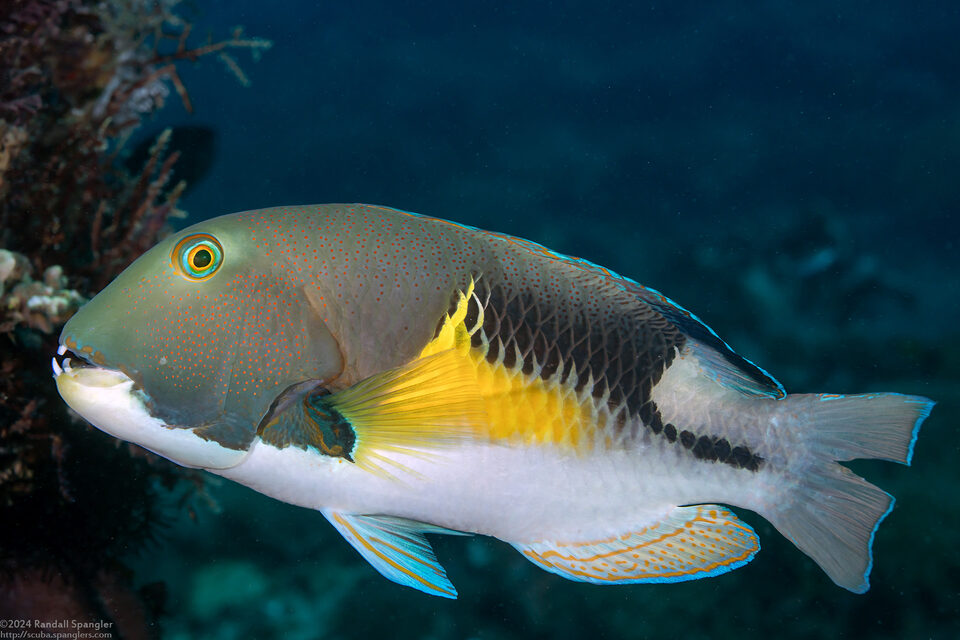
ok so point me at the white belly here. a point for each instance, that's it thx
(512, 493)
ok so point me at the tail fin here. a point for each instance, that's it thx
(832, 514)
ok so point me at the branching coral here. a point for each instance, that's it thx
(77, 77)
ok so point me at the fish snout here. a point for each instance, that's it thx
(111, 401)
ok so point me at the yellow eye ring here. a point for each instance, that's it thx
(197, 257)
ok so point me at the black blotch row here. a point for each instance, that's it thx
(705, 447)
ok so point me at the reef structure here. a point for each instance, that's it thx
(78, 78)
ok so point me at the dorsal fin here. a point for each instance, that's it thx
(729, 367)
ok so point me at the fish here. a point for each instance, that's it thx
(406, 375)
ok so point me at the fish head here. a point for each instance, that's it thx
(186, 350)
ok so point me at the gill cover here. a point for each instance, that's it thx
(210, 327)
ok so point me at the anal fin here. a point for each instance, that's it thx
(397, 548)
(693, 542)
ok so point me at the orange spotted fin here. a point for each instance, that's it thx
(700, 541)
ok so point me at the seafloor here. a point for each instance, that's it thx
(786, 170)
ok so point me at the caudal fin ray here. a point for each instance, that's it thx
(829, 512)
(883, 426)
(833, 517)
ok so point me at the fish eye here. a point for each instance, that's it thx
(197, 257)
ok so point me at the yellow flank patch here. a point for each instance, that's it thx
(519, 407)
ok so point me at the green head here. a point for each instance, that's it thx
(199, 335)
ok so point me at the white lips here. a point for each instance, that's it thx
(106, 398)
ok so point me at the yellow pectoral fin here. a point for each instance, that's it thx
(427, 404)
(701, 541)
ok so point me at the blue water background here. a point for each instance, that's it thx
(790, 171)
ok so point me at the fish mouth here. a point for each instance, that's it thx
(111, 401)
(86, 372)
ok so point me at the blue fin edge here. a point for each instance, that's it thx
(865, 586)
(408, 555)
(926, 407)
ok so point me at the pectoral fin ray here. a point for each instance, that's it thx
(427, 405)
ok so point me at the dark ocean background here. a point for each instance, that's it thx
(789, 171)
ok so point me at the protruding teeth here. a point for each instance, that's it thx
(56, 367)
(62, 350)
(66, 365)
